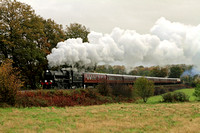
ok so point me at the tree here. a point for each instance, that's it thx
(118, 69)
(23, 39)
(159, 72)
(144, 88)
(175, 72)
(197, 92)
(76, 30)
(142, 71)
(54, 33)
(101, 69)
(10, 82)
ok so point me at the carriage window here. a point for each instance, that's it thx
(88, 77)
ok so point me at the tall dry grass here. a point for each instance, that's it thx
(179, 117)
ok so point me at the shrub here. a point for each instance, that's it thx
(160, 90)
(197, 92)
(104, 89)
(122, 90)
(10, 82)
(29, 99)
(167, 97)
(180, 97)
(144, 88)
(4, 105)
(175, 97)
(92, 93)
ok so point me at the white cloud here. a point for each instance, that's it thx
(104, 15)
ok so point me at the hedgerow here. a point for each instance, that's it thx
(62, 98)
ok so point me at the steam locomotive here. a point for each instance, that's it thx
(67, 79)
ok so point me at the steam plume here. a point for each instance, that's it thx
(168, 43)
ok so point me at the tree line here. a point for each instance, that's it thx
(171, 71)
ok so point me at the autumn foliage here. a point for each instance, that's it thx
(10, 82)
(62, 98)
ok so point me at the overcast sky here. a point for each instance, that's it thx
(104, 15)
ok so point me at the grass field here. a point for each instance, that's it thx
(125, 117)
(158, 99)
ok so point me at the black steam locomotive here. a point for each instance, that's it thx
(62, 79)
(67, 79)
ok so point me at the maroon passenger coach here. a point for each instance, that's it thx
(92, 79)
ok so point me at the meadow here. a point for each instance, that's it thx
(122, 117)
(158, 99)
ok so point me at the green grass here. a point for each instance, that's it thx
(158, 99)
(109, 118)
(154, 99)
(189, 92)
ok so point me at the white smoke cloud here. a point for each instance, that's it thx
(168, 43)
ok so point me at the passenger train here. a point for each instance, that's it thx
(64, 79)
